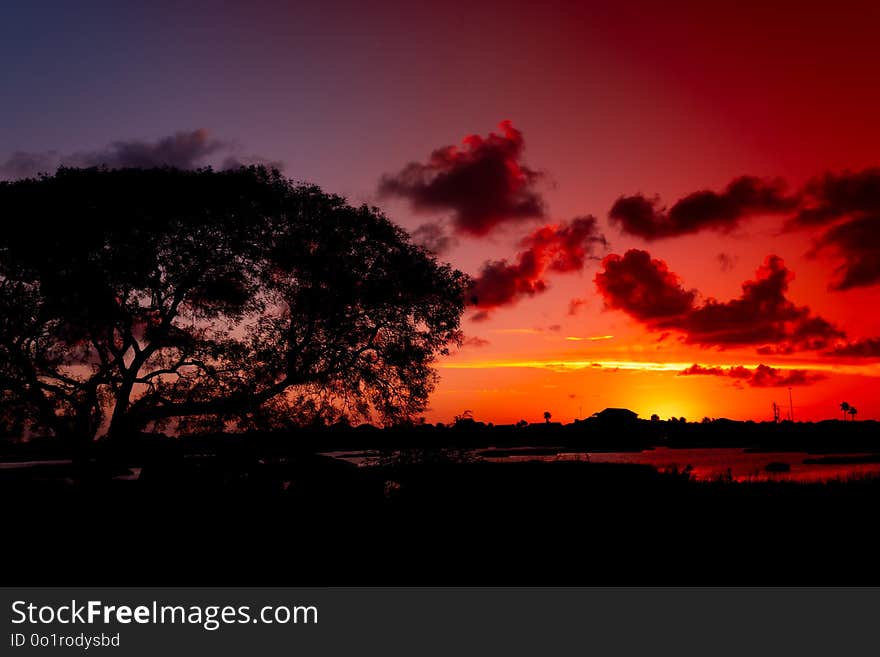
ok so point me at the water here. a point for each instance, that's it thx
(705, 463)
(19, 465)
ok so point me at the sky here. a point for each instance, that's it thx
(672, 207)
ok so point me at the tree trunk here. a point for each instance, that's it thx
(119, 420)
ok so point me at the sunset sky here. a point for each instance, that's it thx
(668, 206)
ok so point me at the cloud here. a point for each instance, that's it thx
(762, 316)
(475, 341)
(863, 348)
(703, 210)
(434, 237)
(762, 376)
(726, 261)
(183, 150)
(848, 205)
(501, 283)
(22, 164)
(834, 196)
(552, 248)
(483, 182)
(857, 243)
(644, 288)
(567, 246)
(519, 331)
(575, 306)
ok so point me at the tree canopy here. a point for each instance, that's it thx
(135, 298)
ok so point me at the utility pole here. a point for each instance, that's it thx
(790, 406)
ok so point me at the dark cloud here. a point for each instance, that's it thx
(703, 210)
(856, 242)
(644, 288)
(726, 261)
(183, 150)
(501, 283)
(834, 196)
(864, 348)
(737, 372)
(763, 376)
(475, 341)
(848, 205)
(762, 316)
(434, 237)
(575, 305)
(483, 182)
(557, 248)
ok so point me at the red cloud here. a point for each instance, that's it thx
(483, 182)
(559, 248)
(761, 316)
(566, 247)
(763, 376)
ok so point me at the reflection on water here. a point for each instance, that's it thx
(705, 463)
(18, 465)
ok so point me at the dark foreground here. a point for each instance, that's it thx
(317, 521)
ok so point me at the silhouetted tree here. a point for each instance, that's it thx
(133, 298)
(852, 412)
(547, 417)
(844, 406)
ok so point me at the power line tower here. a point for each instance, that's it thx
(775, 412)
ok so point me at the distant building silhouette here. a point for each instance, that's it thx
(616, 415)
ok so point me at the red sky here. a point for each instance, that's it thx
(670, 100)
(607, 100)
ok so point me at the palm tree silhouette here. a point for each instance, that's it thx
(852, 412)
(844, 406)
